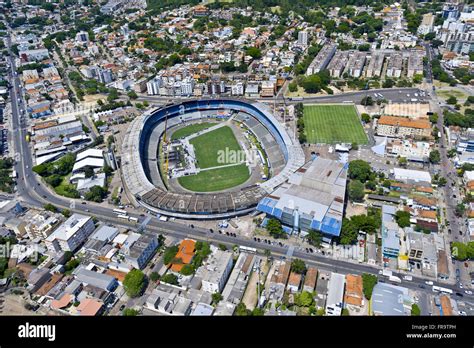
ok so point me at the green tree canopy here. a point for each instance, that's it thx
(360, 170)
(403, 218)
(356, 191)
(134, 283)
(298, 266)
(368, 283)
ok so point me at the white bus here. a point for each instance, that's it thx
(125, 217)
(134, 219)
(443, 290)
(249, 250)
(120, 212)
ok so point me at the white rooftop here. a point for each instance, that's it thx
(69, 228)
(89, 153)
(409, 174)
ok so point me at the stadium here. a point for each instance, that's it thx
(172, 158)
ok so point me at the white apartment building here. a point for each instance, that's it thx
(303, 38)
(215, 272)
(71, 234)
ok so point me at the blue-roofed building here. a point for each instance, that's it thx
(312, 198)
(390, 232)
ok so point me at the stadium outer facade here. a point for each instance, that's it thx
(230, 203)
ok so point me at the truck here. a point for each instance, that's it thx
(394, 279)
(408, 277)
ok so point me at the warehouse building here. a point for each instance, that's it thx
(313, 198)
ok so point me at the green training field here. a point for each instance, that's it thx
(216, 179)
(191, 129)
(208, 146)
(333, 124)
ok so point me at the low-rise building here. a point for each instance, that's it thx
(310, 279)
(401, 127)
(99, 280)
(409, 175)
(142, 250)
(390, 232)
(422, 252)
(354, 295)
(294, 282)
(169, 303)
(335, 297)
(389, 299)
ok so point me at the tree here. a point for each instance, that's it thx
(314, 238)
(305, 299)
(460, 209)
(154, 276)
(216, 297)
(365, 117)
(254, 52)
(241, 310)
(452, 100)
(88, 172)
(345, 312)
(388, 83)
(418, 78)
(170, 278)
(66, 213)
(403, 218)
(107, 169)
(267, 253)
(312, 84)
(402, 161)
(371, 185)
(129, 312)
(132, 95)
(356, 191)
(368, 283)
(187, 270)
(367, 101)
(50, 207)
(134, 283)
(435, 156)
(461, 251)
(360, 170)
(274, 228)
(96, 194)
(415, 310)
(293, 87)
(298, 266)
(452, 153)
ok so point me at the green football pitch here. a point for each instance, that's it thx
(216, 179)
(191, 129)
(209, 147)
(332, 124)
(218, 148)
